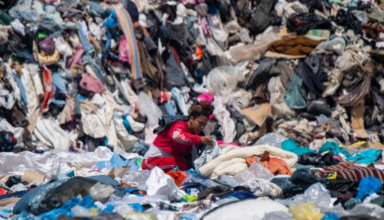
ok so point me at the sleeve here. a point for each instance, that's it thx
(182, 136)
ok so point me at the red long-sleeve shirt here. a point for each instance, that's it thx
(177, 140)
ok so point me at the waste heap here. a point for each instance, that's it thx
(297, 88)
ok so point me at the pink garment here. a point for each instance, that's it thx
(205, 27)
(205, 97)
(124, 54)
(91, 84)
(76, 58)
(186, 2)
(223, 143)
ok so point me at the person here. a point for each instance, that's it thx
(173, 145)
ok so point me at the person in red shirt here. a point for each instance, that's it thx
(173, 144)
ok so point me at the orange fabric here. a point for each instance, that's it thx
(275, 165)
(178, 176)
(199, 52)
(251, 160)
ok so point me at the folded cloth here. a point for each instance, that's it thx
(298, 45)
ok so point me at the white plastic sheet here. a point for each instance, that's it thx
(100, 192)
(159, 183)
(138, 178)
(49, 163)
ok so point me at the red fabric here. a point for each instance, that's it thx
(165, 163)
(178, 176)
(48, 90)
(177, 140)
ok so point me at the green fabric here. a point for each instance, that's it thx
(188, 198)
(41, 35)
(296, 96)
(333, 146)
(4, 18)
(291, 146)
(139, 161)
(318, 34)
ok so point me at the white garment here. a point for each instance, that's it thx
(159, 183)
(224, 118)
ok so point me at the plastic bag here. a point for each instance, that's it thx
(305, 211)
(270, 139)
(367, 186)
(277, 216)
(99, 191)
(159, 183)
(128, 199)
(316, 193)
(254, 171)
(79, 212)
(138, 178)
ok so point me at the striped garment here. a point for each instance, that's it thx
(126, 25)
(351, 172)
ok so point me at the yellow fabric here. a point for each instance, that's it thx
(49, 60)
(305, 211)
(332, 176)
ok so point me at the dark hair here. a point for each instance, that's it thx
(202, 109)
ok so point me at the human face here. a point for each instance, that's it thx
(196, 125)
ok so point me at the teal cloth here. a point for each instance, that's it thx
(333, 146)
(367, 156)
(291, 146)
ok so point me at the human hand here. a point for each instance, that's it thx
(207, 140)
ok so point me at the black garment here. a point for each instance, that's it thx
(182, 40)
(166, 121)
(261, 74)
(306, 177)
(301, 23)
(132, 10)
(338, 187)
(348, 21)
(175, 75)
(14, 180)
(317, 160)
(5, 141)
(261, 19)
(220, 191)
(289, 189)
(309, 70)
(319, 107)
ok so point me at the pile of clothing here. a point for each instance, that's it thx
(297, 88)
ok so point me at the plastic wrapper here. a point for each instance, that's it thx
(79, 212)
(254, 171)
(316, 193)
(229, 180)
(270, 139)
(127, 199)
(159, 183)
(99, 191)
(138, 178)
(305, 211)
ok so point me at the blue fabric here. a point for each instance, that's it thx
(81, 97)
(170, 110)
(137, 206)
(126, 125)
(193, 172)
(333, 146)
(187, 216)
(5, 214)
(111, 21)
(23, 95)
(84, 40)
(54, 214)
(87, 60)
(367, 156)
(18, 194)
(109, 208)
(242, 195)
(129, 190)
(60, 82)
(367, 186)
(177, 96)
(57, 102)
(330, 216)
(291, 146)
(119, 161)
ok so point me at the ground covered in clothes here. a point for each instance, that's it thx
(297, 88)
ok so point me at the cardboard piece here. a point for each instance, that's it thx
(30, 176)
(118, 172)
(376, 145)
(357, 121)
(259, 113)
